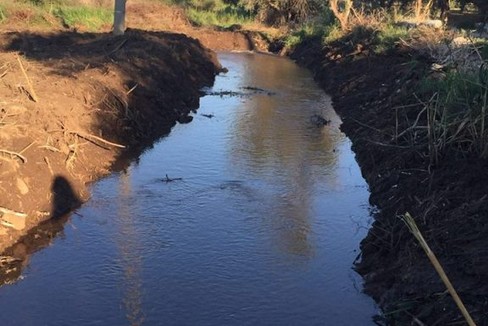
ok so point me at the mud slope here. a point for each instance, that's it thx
(374, 94)
(73, 104)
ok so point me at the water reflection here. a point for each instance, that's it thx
(130, 252)
(275, 140)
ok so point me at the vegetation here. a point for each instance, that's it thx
(456, 100)
(217, 13)
(71, 14)
(92, 18)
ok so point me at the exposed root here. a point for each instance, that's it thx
(94, 139)
(13, 155)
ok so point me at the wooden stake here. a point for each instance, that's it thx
(29, 84)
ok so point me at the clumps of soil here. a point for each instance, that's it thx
(375, 97)
(83, 105)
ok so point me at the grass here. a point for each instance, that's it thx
(223, 17)
(321, 27)
(91, 18)
(214, 12)
(54, 13)
(457, 114)
(13, 11)
(304, 32)
(389, 36)
(3, 14)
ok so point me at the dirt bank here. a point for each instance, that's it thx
(71, 97)
(374, 95)
(74, 104)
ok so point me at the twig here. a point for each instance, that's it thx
(132, 89)
(31, 88)
(48, 165)
(415, 319)
(367, 126)
(92, 139)
(6, 260)
(168, 179)
(412, 226)
(118, 47)
(14, 154)
(5, 210)
(412, 126)
(27, 147)
(51, 148)
(387, 145)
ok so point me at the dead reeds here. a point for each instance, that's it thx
(412, 226)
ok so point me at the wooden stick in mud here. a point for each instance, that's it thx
(14, 154)
(29, 84)
(5, 210)
(412, 226)
(92, 138)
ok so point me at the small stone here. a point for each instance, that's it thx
(22, 186)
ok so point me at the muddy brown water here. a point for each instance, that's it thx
(262, 228)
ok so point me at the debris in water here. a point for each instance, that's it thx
(319, 120)
(168, 179)
(258, 90)
(210, 116)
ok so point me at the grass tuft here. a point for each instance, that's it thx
(217, 13)
(91, 18)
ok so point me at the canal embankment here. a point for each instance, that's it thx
(74, 103)
(411, 165)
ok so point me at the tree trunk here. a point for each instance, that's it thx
(342, 14)
(119, 17)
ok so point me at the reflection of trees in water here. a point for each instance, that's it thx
(273, 140)
(128, 241)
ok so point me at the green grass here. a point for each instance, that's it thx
(3, 14)
(91, 18)
(215, 13)
(306, 31)
(457, 109)
(221, 18)
(387, 37)
(320, 27)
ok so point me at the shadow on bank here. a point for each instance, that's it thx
(17, 257)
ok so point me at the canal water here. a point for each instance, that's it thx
(250, 215)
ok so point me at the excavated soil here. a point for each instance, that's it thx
(74, 105)
(374, 95)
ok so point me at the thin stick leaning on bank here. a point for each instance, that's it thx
(412, 226)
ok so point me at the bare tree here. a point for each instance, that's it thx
(341, 9)
(119, 17)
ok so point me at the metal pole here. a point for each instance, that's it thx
(119, 17)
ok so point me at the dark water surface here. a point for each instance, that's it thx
(262, 229)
